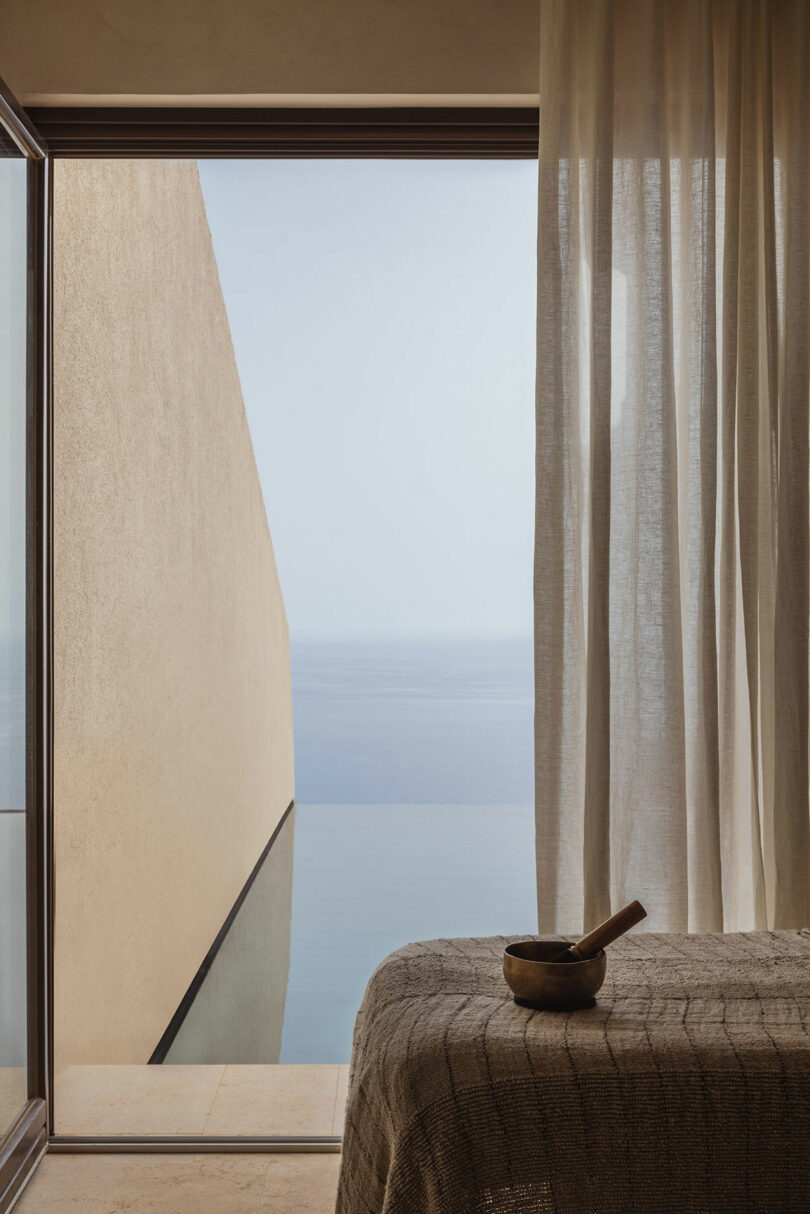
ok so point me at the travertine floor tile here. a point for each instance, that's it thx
(275, 1100)
(148, 1184)
(340, 1100)
(301, 1184)
(113, 1100)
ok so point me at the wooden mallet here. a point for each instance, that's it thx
(605, 933)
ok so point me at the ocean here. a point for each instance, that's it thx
(408, 722)
(414, 818)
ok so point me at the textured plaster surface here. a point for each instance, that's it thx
(173, 729)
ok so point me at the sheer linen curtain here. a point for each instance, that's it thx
(672, 605)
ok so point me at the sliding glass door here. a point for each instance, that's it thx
(23, 400)
(337, 354)
(13, 291)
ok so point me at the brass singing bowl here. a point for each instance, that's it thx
(536, 980)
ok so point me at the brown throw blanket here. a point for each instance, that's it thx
(687, 1087)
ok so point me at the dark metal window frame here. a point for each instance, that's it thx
(412, 132)
(418, 132)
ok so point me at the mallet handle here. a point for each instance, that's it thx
(608, 931)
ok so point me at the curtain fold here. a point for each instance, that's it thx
(672, 556)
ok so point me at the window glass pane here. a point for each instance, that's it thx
(13, 287)
(293, 545)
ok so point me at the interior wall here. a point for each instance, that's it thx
(173, 729)
(52, 48)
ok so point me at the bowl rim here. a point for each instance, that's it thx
(556, 964)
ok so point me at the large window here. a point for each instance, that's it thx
(293, 520)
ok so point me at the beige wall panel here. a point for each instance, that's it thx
(269, 46)
(173, 731)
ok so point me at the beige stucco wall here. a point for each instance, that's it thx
(86, 47)
(173, 731)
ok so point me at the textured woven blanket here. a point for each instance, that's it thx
(687, 1087)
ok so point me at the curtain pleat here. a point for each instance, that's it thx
(672, 579)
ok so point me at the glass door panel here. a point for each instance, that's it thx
(212, 942)
(13, 396)
(24, 407)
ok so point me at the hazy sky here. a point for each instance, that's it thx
(382, 314)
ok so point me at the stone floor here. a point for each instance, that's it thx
(227, 1100)
(221, 1100)
(182, 1184)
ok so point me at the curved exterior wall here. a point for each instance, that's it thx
(173, 728)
